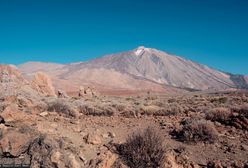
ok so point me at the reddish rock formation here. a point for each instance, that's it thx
(43, 84)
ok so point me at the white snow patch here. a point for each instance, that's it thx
(140, 50)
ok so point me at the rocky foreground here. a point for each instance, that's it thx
(47, 128)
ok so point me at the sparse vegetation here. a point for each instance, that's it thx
(236, 117)
(96, 111)
(61, 106)
(220, 114)
(143, 150)
(241, 110)
(198, 131)
(219, 100)
(184, 114)
(223, 100)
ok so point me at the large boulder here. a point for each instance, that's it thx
(43, 84)
(11, 113)
(14, 143)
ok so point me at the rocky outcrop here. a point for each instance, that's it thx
(178, 160)
(43, 84)
(87, 92)
(9, 74)
(62, 94)
(13, 143)
(10, 80)
(34, 149)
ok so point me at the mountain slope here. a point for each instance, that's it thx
(160, 67)
(142, 64)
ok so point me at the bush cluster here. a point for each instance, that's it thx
(198, 131)
(143, 150)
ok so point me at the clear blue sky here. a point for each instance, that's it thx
(212, 32)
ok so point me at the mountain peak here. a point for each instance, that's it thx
(141, 49)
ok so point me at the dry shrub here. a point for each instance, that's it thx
(151, 97)
(158, 103)
(161, 112)
(61, 106)
(241, 110)
(198, 131)
(130, 99)
(143, 150)
(219, 100)
(171, 110)
(172, 100)
(223, 100)
(166, 112)
(174, 110)
(220, 114)
(149, 110)
(153, 110)
(40, 106)
(96, 111)
(177, 109)
(130, 113)
(119, 107)
(233, 164)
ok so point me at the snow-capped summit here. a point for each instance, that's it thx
(140, 50)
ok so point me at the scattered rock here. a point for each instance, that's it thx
(93, 139)
(111, 134)
(82, 157)
(73, 163)
(56, 159)
(77, 128)
(217, 123)
(43, 114)
(164, 124)
(181, 160)
(3, 128)
(214, 164)
(107, 160)
(244, 147)
(105, 135)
